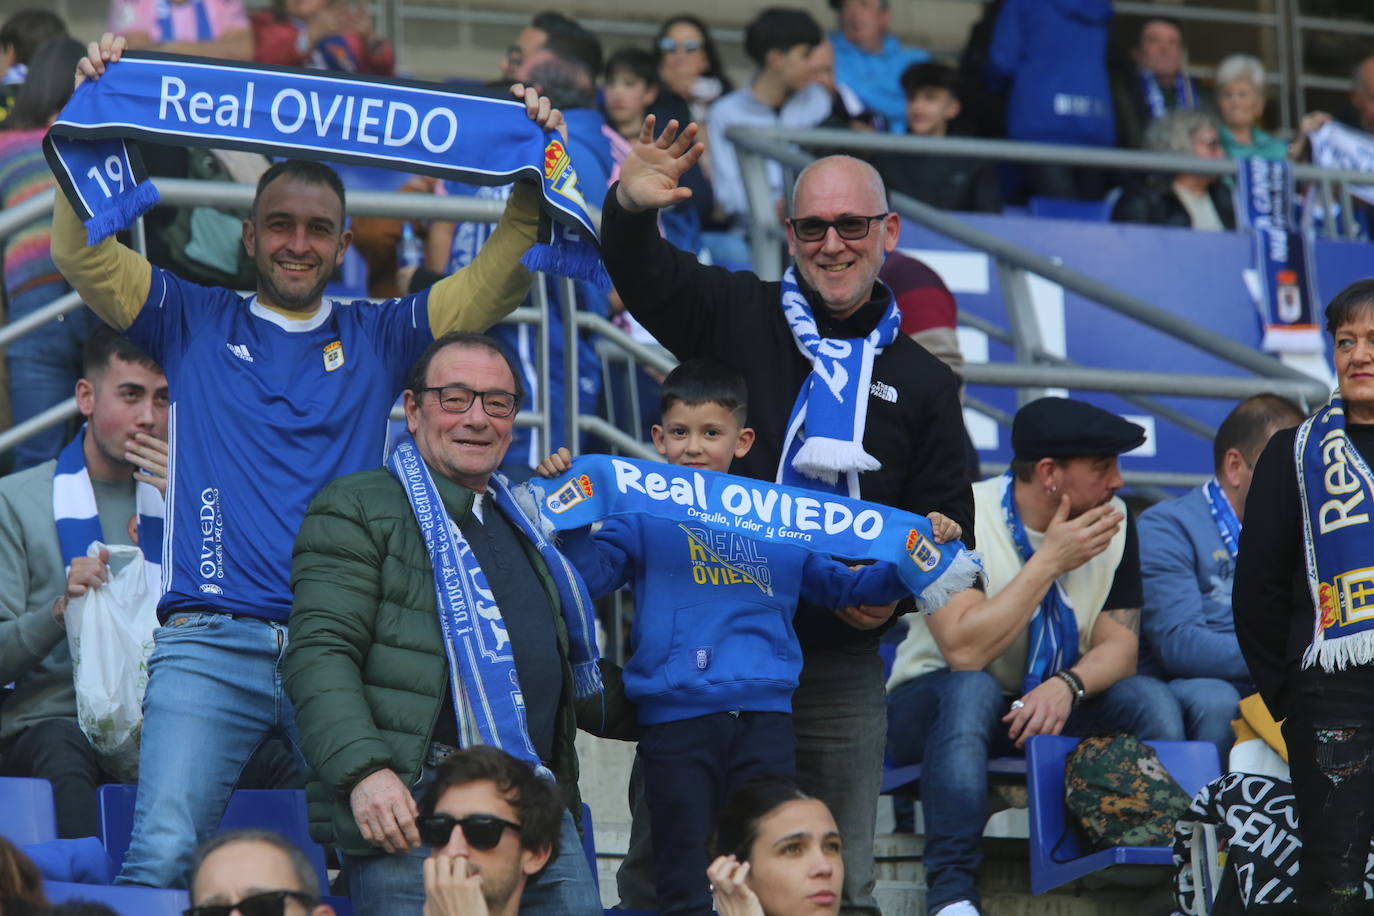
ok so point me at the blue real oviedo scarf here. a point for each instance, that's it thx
(282, 111)
(1052, 642)
(77, 516)
(487, 700)
(1337, 493)
(823, 448)
(600, 486)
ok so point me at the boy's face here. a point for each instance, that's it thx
(793, 66)
(628, 97)
(929, 111)
(701, 436)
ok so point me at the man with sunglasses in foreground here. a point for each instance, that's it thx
(254, 873)
(392, 668)
(841, 402)
(492, 824)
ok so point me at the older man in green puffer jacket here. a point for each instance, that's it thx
(367, 669)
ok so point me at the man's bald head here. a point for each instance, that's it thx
(867, 184)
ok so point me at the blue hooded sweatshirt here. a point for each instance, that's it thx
(713, 611)
(1053, 53)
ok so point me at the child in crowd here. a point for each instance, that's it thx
(948, 182)
(715, 656)
(631, 87)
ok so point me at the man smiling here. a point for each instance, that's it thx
(841, 402)
(273, 395)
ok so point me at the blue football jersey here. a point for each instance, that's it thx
(264, 412)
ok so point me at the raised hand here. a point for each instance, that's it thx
(452, 888)
(650, 173)
(98, 54)
(540, 109)
(149, 454)
(1071, 542)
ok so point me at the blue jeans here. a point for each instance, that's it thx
(950, 721)
(394, 885)
(214, 695)
(1209, 704)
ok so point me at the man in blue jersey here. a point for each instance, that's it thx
(273, 395)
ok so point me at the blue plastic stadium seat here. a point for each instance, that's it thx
(28, 812)
(1089, 211)
(1193, 764)
(126, 901)
(279, 810)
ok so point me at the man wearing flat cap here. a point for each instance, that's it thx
(1051, 647)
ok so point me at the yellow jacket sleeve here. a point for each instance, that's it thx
(479, 295)
(112, 279)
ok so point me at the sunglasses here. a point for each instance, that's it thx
(268, 903)
(668, 45)
(853, 228)
(482, 831)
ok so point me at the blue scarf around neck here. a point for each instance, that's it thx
(1185, 96)
(286, 111)
(1227, 522)
(824, 445)
(487, 700)
(77, 515)
(1337, 492)
(1053, 642)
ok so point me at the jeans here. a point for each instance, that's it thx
(841, 727)
(214, 695)
(1208, 704)
(57, 750)
(394, 885)
(950, 721)
(691, 767)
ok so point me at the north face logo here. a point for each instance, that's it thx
(883, 391)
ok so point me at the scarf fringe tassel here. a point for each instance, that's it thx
(1341, 652)
(823, 458)
(965, 569)
(126, 207)
(575, 260)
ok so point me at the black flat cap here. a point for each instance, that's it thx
(1065, 428)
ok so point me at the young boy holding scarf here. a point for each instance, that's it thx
(715, 657)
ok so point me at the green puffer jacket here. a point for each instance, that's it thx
(365, 667)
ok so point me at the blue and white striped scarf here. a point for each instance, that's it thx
(78, 518)
(487, 699)
(287, 111)
(824, 446)
(1053, 635)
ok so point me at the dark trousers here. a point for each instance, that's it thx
(57, 750)
(690, 769)
(1331, 764)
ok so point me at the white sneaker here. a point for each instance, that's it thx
(958, 908)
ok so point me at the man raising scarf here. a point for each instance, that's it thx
(841, 403)
(274, 394)
(433, 613)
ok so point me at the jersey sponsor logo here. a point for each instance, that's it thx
(241, 351)
(883, 392)
(333, 355)
(211, 536)
(719, 558)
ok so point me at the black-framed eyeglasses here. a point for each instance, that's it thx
(668, 45)
(482, 831)
(459, 399)
(268, 903)
(853, 228)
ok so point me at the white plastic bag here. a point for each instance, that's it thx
(110, 632)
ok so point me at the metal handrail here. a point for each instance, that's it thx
(756, 141)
